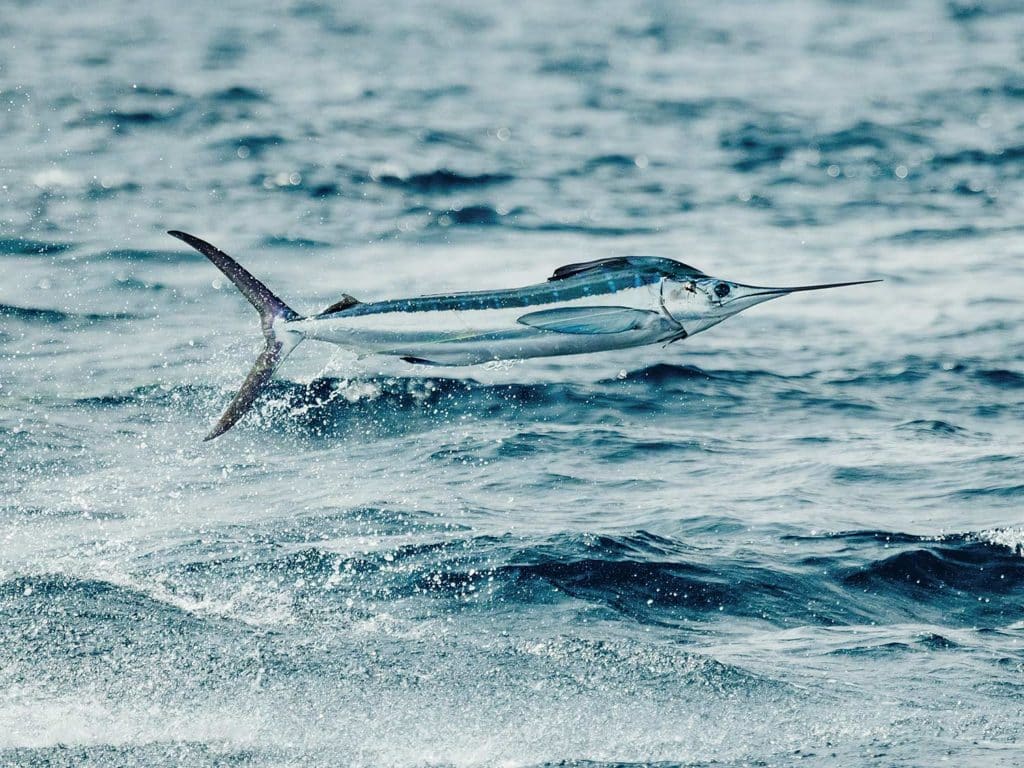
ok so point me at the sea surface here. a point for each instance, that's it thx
(797, 538)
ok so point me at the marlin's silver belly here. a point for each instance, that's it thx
(471, 336)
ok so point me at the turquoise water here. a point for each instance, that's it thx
(794, 538)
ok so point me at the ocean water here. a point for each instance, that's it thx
(796, 538)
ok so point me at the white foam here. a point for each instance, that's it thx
(1011, 538)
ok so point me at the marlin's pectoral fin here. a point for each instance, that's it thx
(589, 320)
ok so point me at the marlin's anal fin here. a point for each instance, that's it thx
(422, 361)
(590, 320)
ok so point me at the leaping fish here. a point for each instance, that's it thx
(613, 303)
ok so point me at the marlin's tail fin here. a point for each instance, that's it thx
(271, 309)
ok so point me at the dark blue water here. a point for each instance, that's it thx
(795, 538)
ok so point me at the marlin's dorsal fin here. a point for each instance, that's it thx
(649, 264)
(571, 270)
(344, 302)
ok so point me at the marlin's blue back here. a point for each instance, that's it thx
(574, 281)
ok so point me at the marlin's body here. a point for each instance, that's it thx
(512, 324)
(607, 304)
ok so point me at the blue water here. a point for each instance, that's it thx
(797, 537)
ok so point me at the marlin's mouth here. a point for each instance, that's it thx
(756, 290)
(798, 288)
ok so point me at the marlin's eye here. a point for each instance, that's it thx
(722, 290)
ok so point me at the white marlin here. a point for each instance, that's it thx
(614, 303)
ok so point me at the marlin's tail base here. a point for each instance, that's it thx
(271, 308)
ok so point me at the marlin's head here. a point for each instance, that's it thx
(700, 302)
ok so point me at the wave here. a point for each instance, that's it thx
(1002, 378)
(993, 491)
(939, 234)
(479, 215)
(280, 241)
(931, 426)
(34, 314)
(616, 162)
(237, 94)
(661, 373)
(129, 109)
(804, 153)
(959, 581)
(441, 181)
(23, 246)
(667, 373)
(914, 369)
(845, 579)
(594, 230)
(132, 255)
(1011, 155)
(389, 405)
(331, 407)
(761, 144)
(663, 580)
(518, 218)
(55, 316)
(123, 121)
(155, 753)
